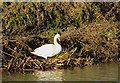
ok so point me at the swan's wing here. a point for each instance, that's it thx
(57, 49)
(45, 49)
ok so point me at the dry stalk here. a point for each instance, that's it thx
(26, 62)
(9, 65)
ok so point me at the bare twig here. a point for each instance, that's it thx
(109, 13)
(7, 53)
(26, 62)
(8, 67)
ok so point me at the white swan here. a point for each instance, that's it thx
(49, 50)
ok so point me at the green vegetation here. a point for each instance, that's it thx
(89, 33)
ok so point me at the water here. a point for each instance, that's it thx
(101, 72)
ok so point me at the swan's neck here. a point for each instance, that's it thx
(55, 41)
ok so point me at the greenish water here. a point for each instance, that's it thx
(101, 72)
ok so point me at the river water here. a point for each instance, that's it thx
(101, 72)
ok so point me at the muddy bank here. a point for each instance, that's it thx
(80, 48)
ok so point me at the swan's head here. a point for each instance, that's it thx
(57, 39)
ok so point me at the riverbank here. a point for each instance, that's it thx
(79, 49)
(85, 41)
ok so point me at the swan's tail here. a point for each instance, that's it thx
(38, 55)
(33, 53)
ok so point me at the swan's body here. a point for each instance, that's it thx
(49, 50)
